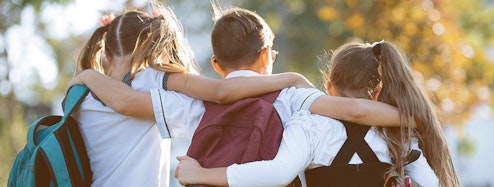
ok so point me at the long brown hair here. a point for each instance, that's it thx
(155, 41)
(361, 69)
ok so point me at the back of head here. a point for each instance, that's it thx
(238, 36)
(354, 72)
(358, 69)
(165, 48)
(148, 40)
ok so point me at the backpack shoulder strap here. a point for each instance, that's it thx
(74, 97)
(355, 143)
(270, 97)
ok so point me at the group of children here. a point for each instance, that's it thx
(146, 89)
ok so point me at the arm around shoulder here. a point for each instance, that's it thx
(117, 95)
(233, 89)
(362, 111)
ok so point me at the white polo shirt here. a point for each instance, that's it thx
(310, 141)
(123, 150)
(183, 113)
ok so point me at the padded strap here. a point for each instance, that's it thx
(74, 98)
(271, 97)
(355, 143)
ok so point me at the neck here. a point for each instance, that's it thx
(120, 67)
(256, 67)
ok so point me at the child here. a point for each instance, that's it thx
(242, 47)
(120, 146)
(377, 72)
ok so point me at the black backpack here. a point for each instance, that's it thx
(371, 172)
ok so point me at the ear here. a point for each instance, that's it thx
(109, 61)
(375, 94)
(330, 89)
(216, 66)
(264, 55)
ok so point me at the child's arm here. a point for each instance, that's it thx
(294, 155)
(125, 100)
(116, 94)
(232, 89)
(420, 170)
(361, 111)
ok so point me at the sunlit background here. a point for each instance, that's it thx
(451, 44)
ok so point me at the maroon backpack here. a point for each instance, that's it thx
(245, 131)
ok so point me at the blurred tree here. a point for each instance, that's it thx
(15, 112)
(448, 42)
(12, 123)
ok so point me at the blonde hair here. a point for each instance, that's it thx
(155, 41)
(360, 69)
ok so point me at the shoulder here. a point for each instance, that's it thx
(293, 91)
(325, 135)
(172, 97)
(148, 78)
(317, 126)
(299, 98)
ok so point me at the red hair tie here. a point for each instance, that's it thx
(156, 14)
(106, 20)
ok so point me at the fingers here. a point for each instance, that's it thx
(181, 158)
(177, 174)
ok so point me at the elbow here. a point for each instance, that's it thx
(223, 96)
(120, 107)
(284, 180)
(359, 111)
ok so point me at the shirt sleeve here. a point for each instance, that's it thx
(294, 155)
(302, 98)
(294, 99)
(177, 115)
(159, 113)
(420, 170)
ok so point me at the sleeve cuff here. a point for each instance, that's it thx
(159, 112)
(310, 99)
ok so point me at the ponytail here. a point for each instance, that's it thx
(401, 90)
(162, 46)
(91, 55)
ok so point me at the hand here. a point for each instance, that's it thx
(73, 82)
(78, 79)
(302, 82)
(187, 171)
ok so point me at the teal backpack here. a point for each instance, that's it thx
(55, 154)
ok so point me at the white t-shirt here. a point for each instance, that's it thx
(123, 150)
(183, 113)
(310, 141)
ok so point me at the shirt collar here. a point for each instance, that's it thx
(240, 73)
